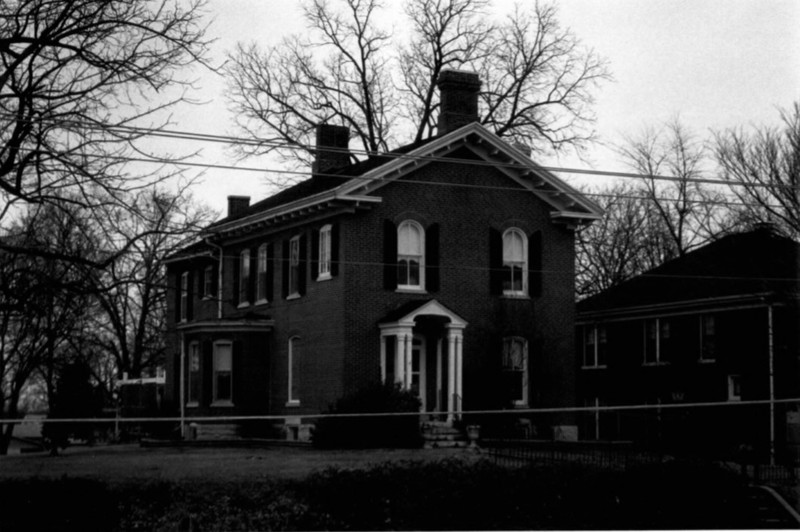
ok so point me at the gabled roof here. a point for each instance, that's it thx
(354, 186)
(754, 264)
(406, 313)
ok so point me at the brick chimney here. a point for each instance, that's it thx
(330, 136)
(458, 95)
(237, 205)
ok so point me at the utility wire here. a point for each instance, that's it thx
(206, 137)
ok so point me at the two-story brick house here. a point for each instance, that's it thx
(446, 266)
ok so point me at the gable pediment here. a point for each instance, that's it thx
(566, 204)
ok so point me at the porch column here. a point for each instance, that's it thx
(451, 374)
(439, 379)
(459, 371)
(409, 341)
(383, 358)
(399, 360)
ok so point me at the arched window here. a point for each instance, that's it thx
(410, 255)
(515, 262)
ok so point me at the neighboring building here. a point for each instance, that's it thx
(719, 324)
(446, 266)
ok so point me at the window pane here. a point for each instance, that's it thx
(513, 247)
(413, 273)
(325, 250)
(409, 241)
(223, 385)
(222, 357)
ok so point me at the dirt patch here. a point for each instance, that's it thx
(125, 462)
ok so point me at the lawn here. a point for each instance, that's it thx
(114, 463)
(288, 488)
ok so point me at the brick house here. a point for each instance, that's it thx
(718, 325)
(445, 266)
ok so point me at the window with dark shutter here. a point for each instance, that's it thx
(535, 278)
(315, 255)
(302, 265)
(285, 269)
(334, 250)
(237, 267)
(432, 258)
(270, 271)
(495, 262)
(190, 297)
(389, 255)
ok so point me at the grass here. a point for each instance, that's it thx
(365, 490)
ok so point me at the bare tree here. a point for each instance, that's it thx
(74, 77)
(613, 249)
(666, 212)
(689, 211)
(763, 170)
(131, 292)
(43, 304)
(538, 78)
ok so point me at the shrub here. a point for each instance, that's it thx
(371, 431)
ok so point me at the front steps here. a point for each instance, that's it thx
(440, 434)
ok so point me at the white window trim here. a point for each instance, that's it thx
(184, 299)
(324, 253)
(595, 355)
(194, 348)
(261, 283)
(732, 395)
(657, 361)
(208, 282)
(702, 359)
(291, 401)
(524, 292)
(215, 401)
(411, 288)
(244, 281)
(520, 403)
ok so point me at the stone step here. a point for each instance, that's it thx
(217, 431)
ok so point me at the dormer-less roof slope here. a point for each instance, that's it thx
(356, 186)
(752, 264)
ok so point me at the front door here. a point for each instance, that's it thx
(418, 363)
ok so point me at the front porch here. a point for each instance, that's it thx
(422, 349)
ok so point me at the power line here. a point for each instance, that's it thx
(207, 137)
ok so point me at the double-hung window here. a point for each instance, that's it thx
(708, 340)
(324, 264)
(410, 256)
(515, 262)
(657, 341)
(515, 369)
(194, 374)
(208, 282)
(183, 314)
(223, 374)
(294, 266)
(261, 275)
(595, 343)
(244, 278)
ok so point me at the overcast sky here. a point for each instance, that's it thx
(714, 63)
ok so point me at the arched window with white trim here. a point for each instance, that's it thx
(515, 262)
(410, 255)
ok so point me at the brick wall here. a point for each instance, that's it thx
(465, 216)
